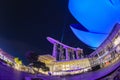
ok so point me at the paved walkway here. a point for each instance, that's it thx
(7, 73)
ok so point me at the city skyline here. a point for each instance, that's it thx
(26, 24)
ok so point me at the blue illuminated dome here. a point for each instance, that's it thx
(97, 16)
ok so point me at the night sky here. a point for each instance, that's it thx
(25, 24)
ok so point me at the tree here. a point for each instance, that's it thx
(41, 65)
(17, 61)
(31, 56)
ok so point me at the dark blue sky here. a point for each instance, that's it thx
(25, 24)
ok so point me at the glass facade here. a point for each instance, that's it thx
(109, 50)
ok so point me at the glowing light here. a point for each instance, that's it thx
(117, 41)
(91, 39)
(96, 15)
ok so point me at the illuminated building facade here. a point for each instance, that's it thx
(70, 67)
(65, 67)
(6, 57)
(65, 60)
(13, 62)
(109, 51)
(63, 52)
(106, 54)
(46, 59)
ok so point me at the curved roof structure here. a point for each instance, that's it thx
(55, 41)
(97, 16)
(91, 39)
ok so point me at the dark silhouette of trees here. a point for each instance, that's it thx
(41, 65)
(32, 57)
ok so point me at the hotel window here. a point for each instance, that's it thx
(101, 53)
(1, 56)
(116, 41)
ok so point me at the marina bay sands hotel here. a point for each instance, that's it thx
(63, 52)
(69, 60)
